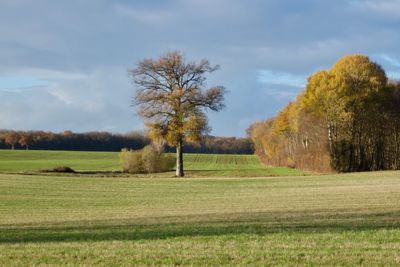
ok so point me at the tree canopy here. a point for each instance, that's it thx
(172, 97)
(346, 116)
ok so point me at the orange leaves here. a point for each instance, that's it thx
(348, 115)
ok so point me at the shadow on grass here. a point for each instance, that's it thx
(80, 172)
(249, 172)
(215, 225)
(228, 170)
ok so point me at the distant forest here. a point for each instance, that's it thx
(105, 141)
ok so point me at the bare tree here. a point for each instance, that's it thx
(171, 97)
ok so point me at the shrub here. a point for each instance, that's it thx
(167, 162)
(150, 159)
(131, 161)
(60, 169)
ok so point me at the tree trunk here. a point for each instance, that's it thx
(329, 127)
(179, 160)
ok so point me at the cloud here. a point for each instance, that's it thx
(382, 7)
(393, 75)
(18, 82)
(146, 16)
(214, 9)
(281, 86)
(390, 64)
(97, 100)
(282, 94)
(391, 60)
(81, 50)
(281, 78)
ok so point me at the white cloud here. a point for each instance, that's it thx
(281, 78)
(145, 16)
(393, 75)
(97, 100)
(215, 8)
(390, 63)
(19, 82)
(391, 60)
(382, 7)
(70, 44)
(53, 74)
(282, 94)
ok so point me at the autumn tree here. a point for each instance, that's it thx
(347, 119)
(171, 97)
(26, 139)
(2, 138)
(348, 97)
(11, 138)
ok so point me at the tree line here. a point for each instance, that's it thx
(347, 119)
(105, 141)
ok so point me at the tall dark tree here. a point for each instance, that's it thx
(171, 97)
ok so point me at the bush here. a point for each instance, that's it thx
(60, 169)
(150, 159)
(131, 161)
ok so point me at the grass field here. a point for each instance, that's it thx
(313, 220)
(334, 220)
(195, 164)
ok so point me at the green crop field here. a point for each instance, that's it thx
(78, 219)
(312, 220)
(195, 164)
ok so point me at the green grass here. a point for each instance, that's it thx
(33, 160)
(195, 164)
(342, 220)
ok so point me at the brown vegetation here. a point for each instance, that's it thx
(60, 169)
(347, 119)
(150, 159)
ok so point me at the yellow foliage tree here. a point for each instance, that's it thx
(171, 98)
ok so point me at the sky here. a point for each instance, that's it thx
(63, 64)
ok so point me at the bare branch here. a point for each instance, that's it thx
(171, 95)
